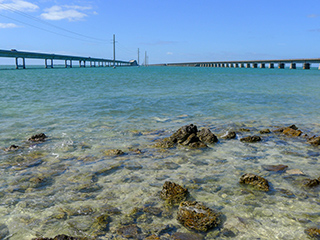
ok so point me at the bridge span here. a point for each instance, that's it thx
(280, 63)
(83, 61)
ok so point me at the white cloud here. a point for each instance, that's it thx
(19, 5)
(58, 13)
(169, 53)
(8, 25)
(313, 16)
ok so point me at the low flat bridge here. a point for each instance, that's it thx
(280, 63)
(68, 59)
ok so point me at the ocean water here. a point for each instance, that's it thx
(62, 185)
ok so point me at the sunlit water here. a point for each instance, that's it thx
(62, 185)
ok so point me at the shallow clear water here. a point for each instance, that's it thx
(62, 185)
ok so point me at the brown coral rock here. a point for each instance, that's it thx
(173, 193)
(255, 180)
(195, 216)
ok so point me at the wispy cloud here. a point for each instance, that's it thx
(8, 25)
(19, 5)
(70, 12)
(313, 15)
(169, 53)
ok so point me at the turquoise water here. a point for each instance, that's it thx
(88, 111)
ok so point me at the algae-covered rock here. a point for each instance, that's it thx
(275, 168)
(206, 136)
(265, 131)
(196, 216)
(255, 180)
(113, 152)
(251, 139)
(100, 225)
(12, 148)
(187, 236)
(229, 135)
(62, 237)
(314, 141)
(173, 193)
(312, 183)
(130, 231)
(314, 233)
(41, 137)
(291, 132)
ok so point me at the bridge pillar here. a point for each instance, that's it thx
(70, 63)
(247, 65)
(236, 65)
(306, 66)
(293, 66)
(65, 63)
(17, 63)
(271, 65)
(262, 65)
(319, 67)
(241, 65)
(254, 65)
(281, 65)
(231, 65)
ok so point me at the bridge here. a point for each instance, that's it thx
(280, 63)
(83, 61)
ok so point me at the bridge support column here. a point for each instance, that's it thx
(231, 65)
(319, 67)
(262, 65)
(70, 63)
(254, 65)
(248, 65)
(293, 66)
(17, 63)
(271, 65)
(236, 65)
(241, 65)
(281, 65)
(306, 66)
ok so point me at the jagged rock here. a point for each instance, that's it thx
(292, 132)
(195, 216)
(12, 148)
(312, 183)
(251, 139)
(229, 135)
(130, 231)
(313, 233)
(188, 136)
(275, 168)
(41, 137)
(265, 131)
(206, 136)
(173, 193)
(314, 141)
(255, 180)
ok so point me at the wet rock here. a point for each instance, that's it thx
(62, 237)
(255, 180)
(173, 193)
(41, 137)
(206, 136)
(275, 168)
(187, 236)
(229, 135)
(312, 183)
(195, 216)
(12, 148)
(114, 152)
(294, 172)
(152, 237)
(130, 231)
(251, 139)
(244, 129)
(4, 231)
(285, 193)
(265, 131)
(314, 141)
(294, 127)
(314, 233)
(183, 133)
(153, 211)
(100, 225)
(291, 132)
(197, 145)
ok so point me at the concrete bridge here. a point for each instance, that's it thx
(68, 60)
(281, 63)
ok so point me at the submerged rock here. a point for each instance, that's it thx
(251, 139)
(312, 183)
(187, 236)
(292, 132)
(130, 231)
(196, 216)
(314, 141)
(62, 237)
(265, 131)
(275, 168)
(113, 152)
(12, 148)
(173, 193)
(41, 137)
(255, 180)
(4, 231)
(229, 135)
(313, 233)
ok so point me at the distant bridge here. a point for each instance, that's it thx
(83, 61)
(306, 63)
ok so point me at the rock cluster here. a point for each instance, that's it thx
(312, 182)
(41, 137)
(196, 216)
(189, 136)
(251, 179)
(251, 139)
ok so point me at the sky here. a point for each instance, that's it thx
(167, 30)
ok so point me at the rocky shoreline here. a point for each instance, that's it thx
(191, 214)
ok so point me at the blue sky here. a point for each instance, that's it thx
(169, 30)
